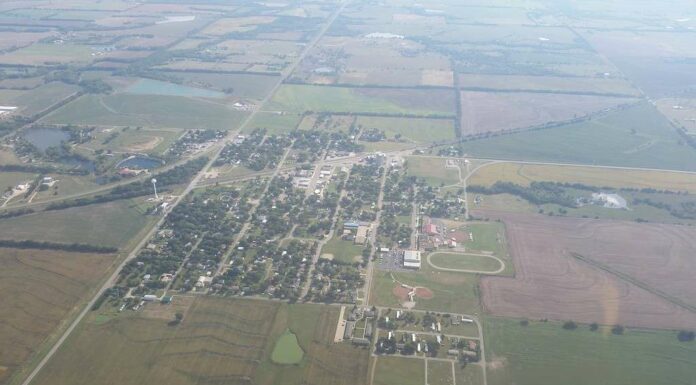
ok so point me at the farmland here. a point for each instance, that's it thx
(395, 370)
(146, 110)
(81, 224)
(639, 134)
(623, 276)
(40, 289)
(218, 339)
(432, 170)
(481, 111)
(300, 98)
(523, 174)
(412, 130)
(542, 352)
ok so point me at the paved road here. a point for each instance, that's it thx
(194, 182)
(373, 237)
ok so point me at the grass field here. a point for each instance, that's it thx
(635, 137)
(524, 174)
(146, 110)
(452, 292)
(108, 224)
(278, 124)
(342, 251)
(464, 261)
(433, 170)
(440, 373)
(541, 353)
(414, 130)
(398, 370)
(39, 53)
(152, 141)
(40, 289)
(33, 101)
(241, 85)
(301, 98)
(219, 341)
(547, 83)
(12, 179)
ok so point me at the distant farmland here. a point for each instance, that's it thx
(642, 276)
(500, 111)
(219, 341)
(40, 288)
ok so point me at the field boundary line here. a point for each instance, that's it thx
(634, 281)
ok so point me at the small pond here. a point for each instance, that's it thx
(44, 138)
(140, 162)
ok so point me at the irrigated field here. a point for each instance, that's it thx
(595, 271)
(40, 288)
(542, 353)
(219, 341)
(500, 111)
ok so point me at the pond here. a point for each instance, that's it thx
(156, 87)
(140, 162)
(44, 138)
(287, 350)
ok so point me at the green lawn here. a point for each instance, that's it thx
(148, 111)
(301, 98)
(546, 354)
(343, 251)
(287, 350)
(401, 371)
(635, 137)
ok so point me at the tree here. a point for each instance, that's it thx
(570, 325)
(686, 336)
(617, 330)
(594, 326)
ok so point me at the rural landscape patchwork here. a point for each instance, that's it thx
(348, 192)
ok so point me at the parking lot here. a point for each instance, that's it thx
(392, 260)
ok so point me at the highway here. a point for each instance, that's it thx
(193, 184)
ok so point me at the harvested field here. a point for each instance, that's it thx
(639, 275)
(481, 111)
(39, 290)
(547, 83)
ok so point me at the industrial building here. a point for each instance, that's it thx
(412, 259)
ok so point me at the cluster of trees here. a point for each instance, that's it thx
(685, 210)
(338, 282)
(191, 137)
(538, 193)
(176, 175)
(363, 190)
(75, 247)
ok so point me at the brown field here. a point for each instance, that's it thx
(681, 111)
(9, 40)
(40, 289)
(238, 24)
(437, 78)
(548, 83)
(551, 283)
(220, 341)
(481, 111)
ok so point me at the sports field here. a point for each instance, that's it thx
(464, 261)
(342, 251)
(543, 352)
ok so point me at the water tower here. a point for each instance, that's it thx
(154, 185)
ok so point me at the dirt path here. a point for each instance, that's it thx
(498, 271)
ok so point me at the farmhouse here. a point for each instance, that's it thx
(412, 259)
